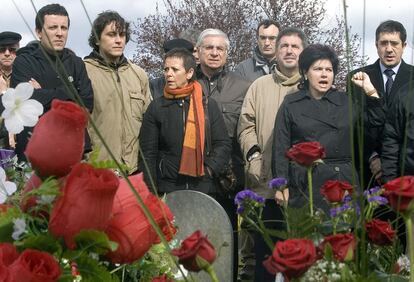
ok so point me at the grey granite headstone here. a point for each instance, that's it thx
(195, 210)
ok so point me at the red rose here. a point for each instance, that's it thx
(162, 278)
(35, 266)
(4, 273)
(129, 226)
(57, 140)
(400, 193)
(8, 254)
(85, 203)
(5, 207)
(292, 257)
(334, 190)
(196, 245)
(343, 245)
(380, 232)
(306, 153)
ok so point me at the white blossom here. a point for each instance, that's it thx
(7, 188)
(19, 110)
(19, 228)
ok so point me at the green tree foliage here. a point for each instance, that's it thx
(239, 19)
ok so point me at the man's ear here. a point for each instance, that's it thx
(39, 33)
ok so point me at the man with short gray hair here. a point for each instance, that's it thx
(228, 90)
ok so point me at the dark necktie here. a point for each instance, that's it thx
(389, 73)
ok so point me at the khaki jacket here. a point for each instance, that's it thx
(121, 96)
(256, 124)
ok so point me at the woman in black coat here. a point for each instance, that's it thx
(176, 130)
(320, 113)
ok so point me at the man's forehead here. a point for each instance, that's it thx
(291, 39)
(56, 19)
(389, 36)
(217, 39)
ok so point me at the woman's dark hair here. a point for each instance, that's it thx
(105, 18)
(51, 9)
(189, 61)
(313, 53)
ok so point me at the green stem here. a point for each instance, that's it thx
(212, 274)
(310, 190)
(409, 226)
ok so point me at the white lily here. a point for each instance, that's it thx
(7, 188)
(19, 110)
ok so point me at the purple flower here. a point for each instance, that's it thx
(335, 211)
(371, 191)
(347, 199)
(240, 209)
(247, 195)
(277, 183)
(378, 199)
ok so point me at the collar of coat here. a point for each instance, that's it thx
(282, 79)
(263, 62)
(94, 55)
(332, 96)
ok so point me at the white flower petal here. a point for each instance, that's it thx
(14, 124)
(2, 175)
(24, 91)
(10, 187)
(3, 197)
(9, 99)
(31, 107)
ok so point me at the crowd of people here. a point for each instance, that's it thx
(206, 128)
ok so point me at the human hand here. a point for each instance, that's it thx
(376, 168)
(35, 84)
(282, 197)
(361, 79)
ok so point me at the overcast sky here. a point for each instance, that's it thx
(376, 12)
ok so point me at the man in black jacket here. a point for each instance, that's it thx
(388, 74)
(53, 70)
(228, 90)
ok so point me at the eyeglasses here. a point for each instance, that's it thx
(264, 38)
(3, 49)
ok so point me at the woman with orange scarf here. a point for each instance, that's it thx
(183, 137)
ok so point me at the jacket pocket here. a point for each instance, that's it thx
(137, 101)
(231, 112)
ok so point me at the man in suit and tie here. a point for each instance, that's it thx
(388, 74)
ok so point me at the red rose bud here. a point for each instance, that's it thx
(400, 193)
(343, 246)
(58, 139)
(34, 182)
(334, 190)
(292, 257)
(193, 247)
(306, 153)
(8, 254)
(85, 203)
(130, 228)
(380, 232)
(35, 266)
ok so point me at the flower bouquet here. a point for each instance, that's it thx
(347, 243)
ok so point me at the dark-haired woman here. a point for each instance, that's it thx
(320, 113)
(178, 153)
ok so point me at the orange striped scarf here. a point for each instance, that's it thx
(192, 156)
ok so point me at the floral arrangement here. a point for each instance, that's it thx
(348, 244)
(71, 220)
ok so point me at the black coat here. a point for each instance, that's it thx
(228, 90)
(302, 118)
(373, 135)
(161, 140)
(31, 62)
(399, 125)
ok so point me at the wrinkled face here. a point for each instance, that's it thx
(112, 42)
(175, 74)
(390, 48)
(213, 52)
(288, 51)
(7, 55)
(320, 76)
(266, 41)
(54, 33)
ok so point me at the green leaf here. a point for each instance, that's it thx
(385, 277)
(42, 242)
(92, 271)
(93, 160)
(94, 241)
(6, 223)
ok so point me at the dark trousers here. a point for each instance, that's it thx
(272, 216)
